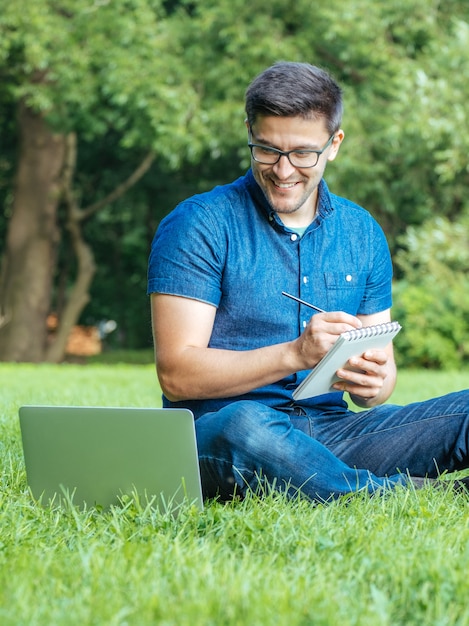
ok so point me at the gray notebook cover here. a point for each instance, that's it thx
(350, 343)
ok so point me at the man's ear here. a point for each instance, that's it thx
(338, 139)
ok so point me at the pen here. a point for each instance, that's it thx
(311, 306)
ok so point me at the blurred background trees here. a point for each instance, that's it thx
(113, 111)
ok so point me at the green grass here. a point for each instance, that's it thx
(398, 559)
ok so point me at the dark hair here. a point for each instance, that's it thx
(288, 89)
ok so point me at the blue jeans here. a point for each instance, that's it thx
(324, 454)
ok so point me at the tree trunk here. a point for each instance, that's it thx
(46, 167)
(29, 260)
(79, 296)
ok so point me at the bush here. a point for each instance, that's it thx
(431, 301)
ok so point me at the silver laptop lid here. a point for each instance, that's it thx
(98, 454)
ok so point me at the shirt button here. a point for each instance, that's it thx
(294, 237)
(305, 324)
(348, 278)
(305, 280)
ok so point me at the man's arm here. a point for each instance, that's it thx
(375, 385)
(188, 369)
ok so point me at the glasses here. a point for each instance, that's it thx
(298, 158)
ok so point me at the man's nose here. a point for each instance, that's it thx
(283, 168)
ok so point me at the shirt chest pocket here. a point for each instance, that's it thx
(345, 290)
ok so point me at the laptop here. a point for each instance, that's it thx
(96, 456)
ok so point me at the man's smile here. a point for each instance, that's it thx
(285, 185)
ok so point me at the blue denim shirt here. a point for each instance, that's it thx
(228, 248)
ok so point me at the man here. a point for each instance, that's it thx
(232, 349)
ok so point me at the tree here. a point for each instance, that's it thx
(130, 79)
(76, 68)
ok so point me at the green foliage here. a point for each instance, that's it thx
(435, 330)
(401, 559)
(95, 67)
(432, 301)
(403, 104)
(136, 75)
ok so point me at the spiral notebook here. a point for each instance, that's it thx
(351, 343)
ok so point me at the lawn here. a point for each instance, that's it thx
(398, 559)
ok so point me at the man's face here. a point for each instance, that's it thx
(292, 191)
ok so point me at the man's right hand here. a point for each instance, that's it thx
(321, 333)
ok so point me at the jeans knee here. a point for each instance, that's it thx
(234, 444)
(242, 425)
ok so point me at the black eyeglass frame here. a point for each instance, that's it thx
(287, 153)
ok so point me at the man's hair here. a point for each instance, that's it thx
(288, 89)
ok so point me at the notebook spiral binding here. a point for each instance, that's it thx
(371, 331)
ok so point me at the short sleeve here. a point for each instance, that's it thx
(378, 292)
(186, 258)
